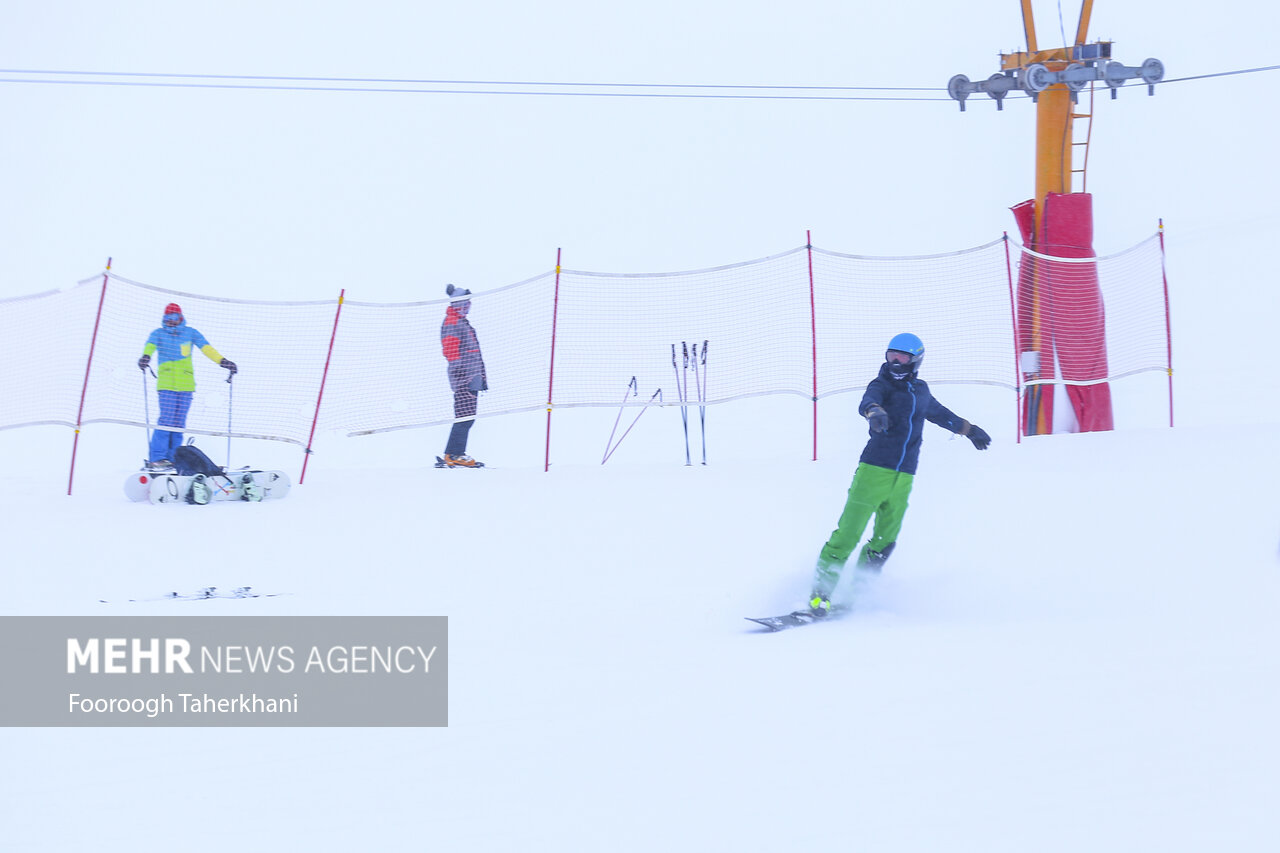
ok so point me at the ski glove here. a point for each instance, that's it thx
(143, 362)
(229, 365)
(878, 418)
(978, 436)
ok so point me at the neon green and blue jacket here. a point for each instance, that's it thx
(174, 345)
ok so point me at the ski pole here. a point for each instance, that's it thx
(230, 385)
(675, 369)
(657, 395)
(631, 391)
(697, 386)
(702, 396)
(683, 389)
(146, 412)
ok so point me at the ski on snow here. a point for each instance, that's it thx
(204, 594)
(440, 463)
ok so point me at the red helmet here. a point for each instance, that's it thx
(172, 314)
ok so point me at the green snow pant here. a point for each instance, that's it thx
(875, 491)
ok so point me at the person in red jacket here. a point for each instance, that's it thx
(466, 373)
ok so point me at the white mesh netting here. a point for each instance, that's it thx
(280, 348)
(959, 304)
(766, 327)
(388, 372)
(39, 382)
(753, 318)
(1101, 318)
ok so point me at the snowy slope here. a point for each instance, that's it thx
(1074, 647)
(1088, 663)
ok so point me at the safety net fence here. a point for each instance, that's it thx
(804, 322)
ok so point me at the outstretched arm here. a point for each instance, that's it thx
(871, 407)
(949, 420)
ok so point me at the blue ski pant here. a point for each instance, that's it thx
(464, 406)
(875, 491)
(174, 406)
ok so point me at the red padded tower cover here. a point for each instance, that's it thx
(1061, 316)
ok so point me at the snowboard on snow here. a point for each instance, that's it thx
(796, 618)
(161, 487)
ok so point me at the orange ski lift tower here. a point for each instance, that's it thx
(1056, 336)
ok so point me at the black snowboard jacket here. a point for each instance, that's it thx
(909, 403)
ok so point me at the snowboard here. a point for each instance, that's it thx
(796, 618)
(161, 487)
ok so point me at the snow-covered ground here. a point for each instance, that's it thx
(1072, 649)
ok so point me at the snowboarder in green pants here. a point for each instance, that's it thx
(896, 405)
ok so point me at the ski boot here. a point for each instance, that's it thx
(158, 465)
(461, 461)
(249, 489)
(872, 561)
(201, 492)
(819, 604)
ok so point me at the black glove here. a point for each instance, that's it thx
(229, 365)
(143, 362)
(878, 418)
(978, 436)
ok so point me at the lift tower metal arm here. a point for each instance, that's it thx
(1034, 70)
(1029, 26)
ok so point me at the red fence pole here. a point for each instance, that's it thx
(93, 342)
(1017, 367)
(306, 456)
(551, 377)
(1168, 326)
(813, 338)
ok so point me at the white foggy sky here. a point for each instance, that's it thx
(295, 195)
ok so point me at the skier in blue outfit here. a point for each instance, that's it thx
(173, 344)
(896, 405)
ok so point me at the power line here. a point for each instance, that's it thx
(417, 91)
(414, 81)
(1224, 74)
(467, 87)
(494, 87)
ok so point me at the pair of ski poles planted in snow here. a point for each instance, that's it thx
(699, 365)
(146, 412)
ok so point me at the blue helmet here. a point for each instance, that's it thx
(910, 345)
